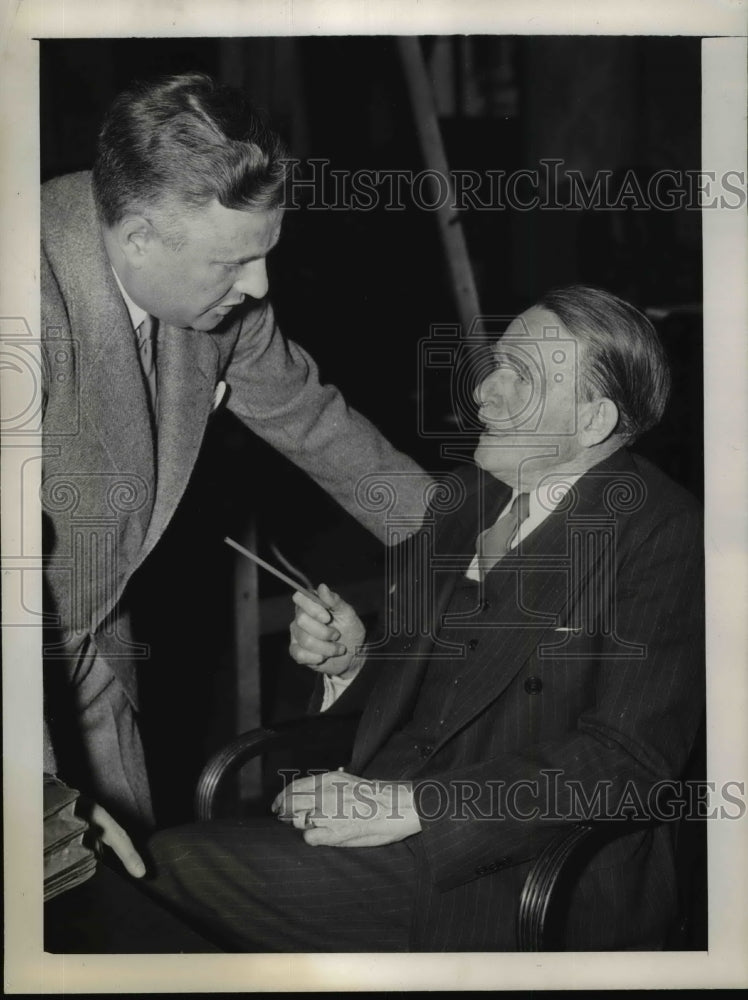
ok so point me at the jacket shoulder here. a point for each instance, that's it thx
(669, 497)
(66, 204)
(60, 190)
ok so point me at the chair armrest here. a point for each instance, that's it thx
(226, 761)
(327, 734)
(552, 865)
(537, 891)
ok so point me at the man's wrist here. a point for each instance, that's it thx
(357, 661)
(336, 684)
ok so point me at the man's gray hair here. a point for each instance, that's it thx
(622, 357)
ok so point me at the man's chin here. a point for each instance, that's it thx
(211, 321)
(219, 317)
(503, 455)
(493, 455)
(493, 443)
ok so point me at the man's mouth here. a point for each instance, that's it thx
(228, 306)
(493, 424)
(499, 429)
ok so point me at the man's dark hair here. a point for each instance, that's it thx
(622, 357)
(188, 137)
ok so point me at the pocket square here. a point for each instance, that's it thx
(568, 628)
(218, 395)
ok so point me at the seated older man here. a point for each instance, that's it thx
(558, 677)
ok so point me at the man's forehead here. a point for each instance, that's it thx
(228, 230)
(535, 323)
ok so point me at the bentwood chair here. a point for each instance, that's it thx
(323, 743)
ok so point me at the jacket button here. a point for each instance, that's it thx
(473, 644)
(486, 605)
(533, 685)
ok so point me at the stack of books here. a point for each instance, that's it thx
(67, 861)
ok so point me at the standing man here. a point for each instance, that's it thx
(558, 678)
(155, 312)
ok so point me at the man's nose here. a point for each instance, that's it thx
(489, 389)
(253, 279)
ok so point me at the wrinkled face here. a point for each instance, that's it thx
(220, 259)
(531, 413)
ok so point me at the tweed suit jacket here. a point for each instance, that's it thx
(109, 488)
(583, 666)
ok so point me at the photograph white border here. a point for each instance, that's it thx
(27, 968)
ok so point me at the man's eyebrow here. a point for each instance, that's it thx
(228, 259)
(512, 359)
(238, 260)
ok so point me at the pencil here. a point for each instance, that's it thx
(271, 569)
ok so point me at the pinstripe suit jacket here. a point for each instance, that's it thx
(109, 489)
(584, 675)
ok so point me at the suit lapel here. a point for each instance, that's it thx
(452, 551)
(438, 556)
(525, 592)
(113, 397)
(186, 365)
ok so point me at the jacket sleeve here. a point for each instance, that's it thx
(638, 731)
(54, 318)
(276, 392)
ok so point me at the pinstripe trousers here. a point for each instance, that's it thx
(255, 885)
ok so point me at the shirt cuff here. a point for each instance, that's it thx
(335, 686)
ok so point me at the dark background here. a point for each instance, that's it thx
(360, 289)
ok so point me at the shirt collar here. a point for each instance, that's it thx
(137, 315)
(548, 494)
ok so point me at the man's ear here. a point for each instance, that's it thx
(135, 236)
(598, 420)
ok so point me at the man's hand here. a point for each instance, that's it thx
(106, 831)
(340, 810)
(325, 638)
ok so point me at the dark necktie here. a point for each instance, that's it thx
(146, 337)
(494, 542)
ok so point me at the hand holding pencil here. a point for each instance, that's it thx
(325, 636)
(326, 631)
